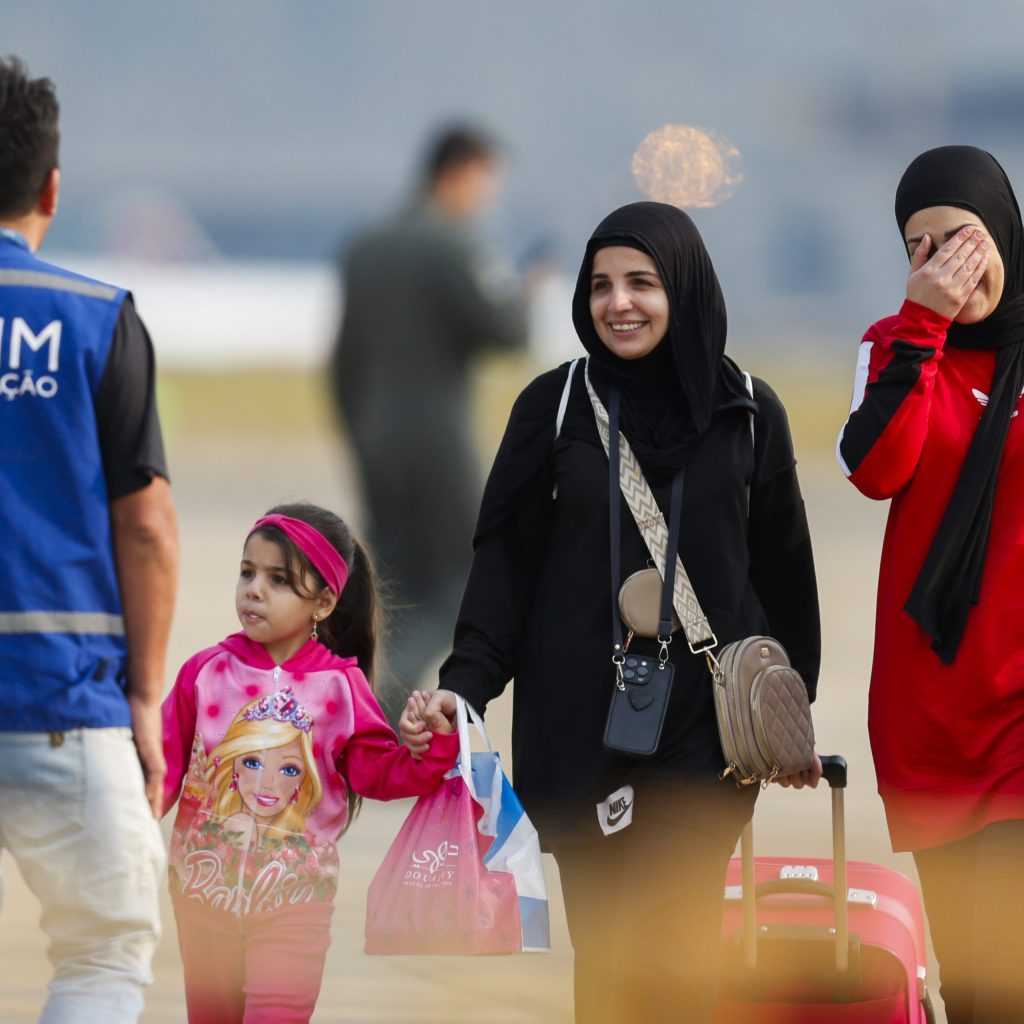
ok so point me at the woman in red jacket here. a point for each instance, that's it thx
(935, 427)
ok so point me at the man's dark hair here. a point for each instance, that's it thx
(455, 145)
(29, 138)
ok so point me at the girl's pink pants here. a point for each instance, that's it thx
(254, 969)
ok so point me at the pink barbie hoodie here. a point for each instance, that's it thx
(265, 758)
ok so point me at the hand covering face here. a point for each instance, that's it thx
(949, 583)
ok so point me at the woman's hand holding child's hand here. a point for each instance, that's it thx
(426, 713)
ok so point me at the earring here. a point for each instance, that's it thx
(316, 619)
(234, 781)
(294, 797)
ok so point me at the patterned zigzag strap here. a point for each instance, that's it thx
(651, 524)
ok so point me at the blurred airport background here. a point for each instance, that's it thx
(244, 136)
(216, 158)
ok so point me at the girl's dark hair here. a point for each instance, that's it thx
(353, 629)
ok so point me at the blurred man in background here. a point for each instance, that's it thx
(88, 574)
(422, 299)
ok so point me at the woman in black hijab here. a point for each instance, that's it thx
(642, 845)
(936, 427)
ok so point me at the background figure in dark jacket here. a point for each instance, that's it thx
(642, 844)
(422, 299)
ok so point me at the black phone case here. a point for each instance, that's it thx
(637, 714)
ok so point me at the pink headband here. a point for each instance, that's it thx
(314, 545)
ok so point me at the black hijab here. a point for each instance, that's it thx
(670, 395)
(949, 583)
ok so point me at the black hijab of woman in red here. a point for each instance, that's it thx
(670, 395)
(949, 583)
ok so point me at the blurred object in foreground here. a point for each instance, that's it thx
(686, 166)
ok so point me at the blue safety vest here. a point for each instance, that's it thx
(62, 645)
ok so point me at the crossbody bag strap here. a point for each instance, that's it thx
(651, 524)
(665, 623)
(615, 543)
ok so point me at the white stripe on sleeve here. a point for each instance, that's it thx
(860, 383)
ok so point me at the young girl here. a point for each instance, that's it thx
(273, 732)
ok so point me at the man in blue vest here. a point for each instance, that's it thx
(88, 574)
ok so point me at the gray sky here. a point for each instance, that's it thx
(282, 126)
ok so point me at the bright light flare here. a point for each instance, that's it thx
(686, 166)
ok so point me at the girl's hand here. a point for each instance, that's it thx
(945, 282)
(809, 777)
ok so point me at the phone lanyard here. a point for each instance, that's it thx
(671, 552)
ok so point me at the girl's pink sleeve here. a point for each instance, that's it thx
(373, 762)
(178, 712)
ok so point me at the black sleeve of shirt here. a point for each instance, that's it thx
(131, 442)
(781, 558)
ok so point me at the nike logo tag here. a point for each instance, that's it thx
(615, 817)
(616, 812)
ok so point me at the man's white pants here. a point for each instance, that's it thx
(73, 814)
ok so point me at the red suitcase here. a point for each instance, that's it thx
(796, 953)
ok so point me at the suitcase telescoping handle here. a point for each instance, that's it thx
(834, 773)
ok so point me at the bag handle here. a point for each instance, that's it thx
(465, 714)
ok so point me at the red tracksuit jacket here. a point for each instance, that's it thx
(948, 740)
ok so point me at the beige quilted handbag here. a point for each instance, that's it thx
(764, 715)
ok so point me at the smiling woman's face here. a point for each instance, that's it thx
(941, 223)
(628, 302)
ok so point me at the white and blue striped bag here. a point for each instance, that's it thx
(516, 846)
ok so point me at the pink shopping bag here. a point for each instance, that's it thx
(433, 894)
